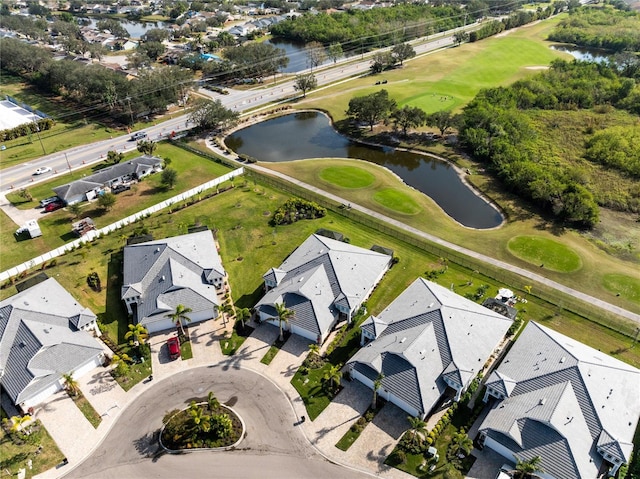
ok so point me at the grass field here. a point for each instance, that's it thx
(397, 200)
(449, 79)
(347, 176)
(547, 253)
(625, 286)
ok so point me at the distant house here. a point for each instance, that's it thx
(554, 397)
(90, 186)
(427, 341)
(44, 333)
(323, 281)
(160, 275)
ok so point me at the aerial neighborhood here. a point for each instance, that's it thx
(320, 239)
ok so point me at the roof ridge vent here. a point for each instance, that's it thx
(542, 401)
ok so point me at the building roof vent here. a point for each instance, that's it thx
(163, 278)
(542, 401)
(403, 339)
(563, 359)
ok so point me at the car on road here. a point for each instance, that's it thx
(53, 206)
(42, 169)
(138, 136)
(174, 347)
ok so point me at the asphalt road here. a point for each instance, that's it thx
(22, 175)
(273, 446)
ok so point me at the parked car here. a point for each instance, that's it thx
(138, 136)
(174, 347)
(505, 472)
(42, 169)
(46, 201)
(53, 206)
(120, 188)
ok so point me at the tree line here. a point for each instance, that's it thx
(363, 30)
(95, 87)
(495, 128)
(607, 28)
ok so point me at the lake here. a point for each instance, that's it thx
(584, 54)
(135, 29)
(296, 53)
(310, 135)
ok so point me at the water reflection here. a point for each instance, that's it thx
(310, 135)
(584, 54)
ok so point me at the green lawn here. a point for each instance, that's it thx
(230, 345)
(397, 200)
(312, 390)
(626, 286)
(87, 409)
(347, 176)
(39, 447)
(546, 253)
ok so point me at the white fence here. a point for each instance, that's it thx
(91, 235)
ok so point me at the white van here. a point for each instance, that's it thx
(46, 201)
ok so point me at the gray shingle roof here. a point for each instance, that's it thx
(106, 175)
(569, 390)
(172, 271)
(40, 340)
(426, 334)
(326, 272)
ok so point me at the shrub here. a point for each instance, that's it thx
(297, 209)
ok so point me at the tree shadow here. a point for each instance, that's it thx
(249, 300)
(148, 445)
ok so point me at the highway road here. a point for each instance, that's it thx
(62, 162)
(273, 447)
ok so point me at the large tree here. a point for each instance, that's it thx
(106, 201)
(335, 52)
(212, 115)
(402, 52)
(370, 109)
(284, 315)
(408, 117)
(442, 120)
(169, 178)
(136, 335)
(381, 61)
(305, 82)
(180, 315)
(316, 54)
(333, 375)
(256, 60)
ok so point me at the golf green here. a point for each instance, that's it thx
(347, 176)
(545, 253)
(623, 285)
(398, 201)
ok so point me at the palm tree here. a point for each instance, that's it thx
(137, 333)
(314, 349)
(180, 315)
(418, 428)
(70, 384)
(228, 310)
(460, 444)
(201, 421)
(243, 314)
(18, 422)
(284, 315)
(334, 375)
(377, 384)
(527, 469)
(212, 401)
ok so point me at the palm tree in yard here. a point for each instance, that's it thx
(314, 349)
(527, 469)
(284, 315)
(377, 384)
(18, 422)
(227, 310)
(70, 384)
(243, 314)
(180, 315)
(418, 428)
(137, 334)
(334, 375)
(460, 444)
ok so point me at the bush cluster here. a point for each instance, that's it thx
(26, 129)
(297, 209)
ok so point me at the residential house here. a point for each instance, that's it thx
(160, 275)
(44, 334)
(429, 341)
(323, 281)
(554, 397)
(88, 187)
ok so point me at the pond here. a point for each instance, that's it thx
(135, 29)
(296, 53)
(315, 138)
(584, 54)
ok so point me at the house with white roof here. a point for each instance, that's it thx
(44, 334)
(428, 341)
(160, 275)
(323, 281)
(574, 406)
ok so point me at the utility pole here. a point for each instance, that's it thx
(130, 111)
(40, 139)
(68, 164)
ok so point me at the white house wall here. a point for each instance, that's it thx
(162, 323)
(42, 396)
(500, 449)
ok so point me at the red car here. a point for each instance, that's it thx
(53, 206)
(174, 348)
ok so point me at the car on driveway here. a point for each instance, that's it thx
(120, 188)
(174, 347)
(53, 206)
(42, 169)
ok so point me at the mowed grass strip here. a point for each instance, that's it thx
(347, 176)
(545, 252)
(397, 200)
(623, 285)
